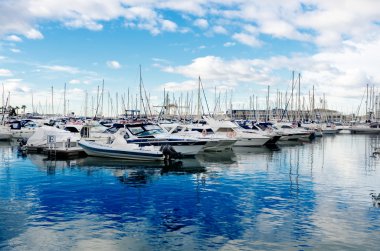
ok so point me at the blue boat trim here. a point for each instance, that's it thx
(159, 142)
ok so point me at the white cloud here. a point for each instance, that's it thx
(325, 23)
(33, 34)
(341, 74)
(5, 73)
(16, 86)
(180, 86)
(247, 39)
(168, 25)
(229, 44)
(219, 29)
(74, 81)
(61, 68)
(225, 72)
(15, 50)
(13, 38)
(89, 24)
(201, 23)
(113, 64)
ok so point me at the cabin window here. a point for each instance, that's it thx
(225, 130)
(71, 129)
(136, 130)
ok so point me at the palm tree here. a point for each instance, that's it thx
(23, 107)
(16, 108)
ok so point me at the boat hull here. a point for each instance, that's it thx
(186, 147)
(93, 149)
(251, 141)
(218, 145)
(365, 130)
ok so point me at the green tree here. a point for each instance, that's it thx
(23, 107)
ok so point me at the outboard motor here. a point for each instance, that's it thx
(22, 145)
(170, 153)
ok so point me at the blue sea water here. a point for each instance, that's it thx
(300, 196)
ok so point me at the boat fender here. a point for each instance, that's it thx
(170, 153)
(204, 132)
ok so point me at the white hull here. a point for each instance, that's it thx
(24, 133)
(251, 141)
(295, 136)
(219, 145)
(188, 150)
(365, 130)
(329, 131)
(5, 133)
(5, 136)
(94, 149)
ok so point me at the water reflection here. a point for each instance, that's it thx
(126, 171)
(313, 195)
(225, 157)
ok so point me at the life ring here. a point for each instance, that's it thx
(204, 132)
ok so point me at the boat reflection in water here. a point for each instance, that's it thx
(225, 157)
(133, 173)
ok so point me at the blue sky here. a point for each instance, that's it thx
(234, 45)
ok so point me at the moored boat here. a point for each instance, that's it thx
(119, 148)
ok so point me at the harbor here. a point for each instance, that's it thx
(189, 125)
(298, 196)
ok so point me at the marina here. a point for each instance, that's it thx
(298, 196)
(189, 125)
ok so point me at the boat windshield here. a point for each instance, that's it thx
(146, 130)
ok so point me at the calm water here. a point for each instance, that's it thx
(306, 196)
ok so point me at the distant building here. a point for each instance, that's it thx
(276, 114)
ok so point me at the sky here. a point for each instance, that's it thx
(238, 47)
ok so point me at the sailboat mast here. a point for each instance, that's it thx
(52, 103)
(199, 98)
(140, 88)
(2, 104)
(85, 104)
(32, 104)
(102, 97)
(267, 116)
(299, 96)
(64, 101)
(291, 96)
(366, 104)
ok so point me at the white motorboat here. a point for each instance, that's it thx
(216, 143)
(372, 128)
(23, 129)
(5, 132)
(329, 129)
(262, 128)
(120, 148)
(148, 134)
(47, 136)
(290, 131)
(90, 130)
(243, 137)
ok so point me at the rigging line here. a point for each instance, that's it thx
(287, 103)
(204, 94)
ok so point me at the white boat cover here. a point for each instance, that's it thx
(39, 138)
